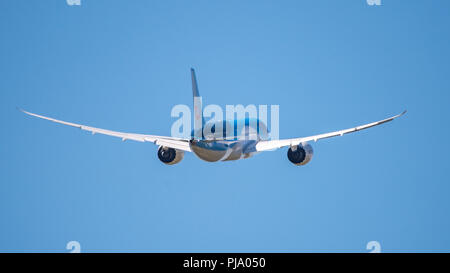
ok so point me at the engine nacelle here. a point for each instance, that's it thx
(170, 156)
(300, 154)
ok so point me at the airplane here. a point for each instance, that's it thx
(234, 147)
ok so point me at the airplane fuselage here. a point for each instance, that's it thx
(223, 150)
(225, 146)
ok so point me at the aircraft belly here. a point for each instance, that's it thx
(210, 152)
(219, 151)
(234, 155)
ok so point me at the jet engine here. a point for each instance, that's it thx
(170, 156)
(300, 154)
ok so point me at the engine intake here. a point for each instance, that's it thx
(170, 156)
(300, 154)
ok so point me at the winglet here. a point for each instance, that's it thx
(401, 114)
(26, 112)
(22, 110)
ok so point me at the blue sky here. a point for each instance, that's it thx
(123, 65)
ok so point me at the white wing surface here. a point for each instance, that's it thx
(171, 142)
(275, 144)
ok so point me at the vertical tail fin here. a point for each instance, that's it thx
(195, 92)
(198, 109)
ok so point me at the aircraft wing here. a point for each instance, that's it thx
(275, 144)
(171, 142)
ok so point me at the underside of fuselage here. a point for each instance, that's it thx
(223, 150)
